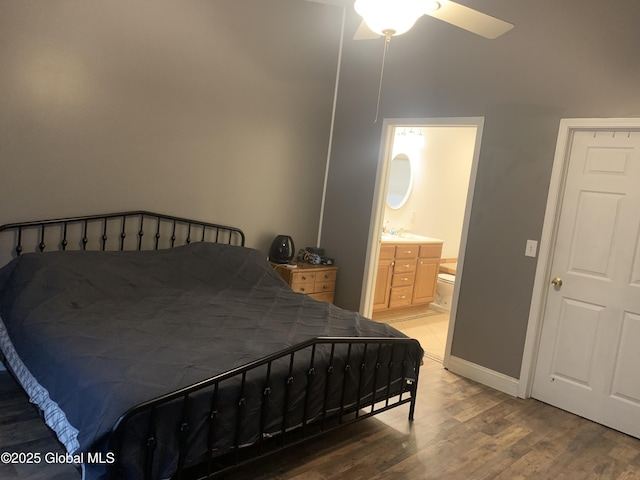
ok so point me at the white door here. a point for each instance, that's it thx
(589, 351)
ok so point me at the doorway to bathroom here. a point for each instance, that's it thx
(426, 174)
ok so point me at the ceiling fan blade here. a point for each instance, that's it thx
(365, 33)
(471, 20)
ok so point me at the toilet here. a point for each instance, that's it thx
(444, 291)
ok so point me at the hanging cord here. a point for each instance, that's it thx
(387, 40)
(333, 123)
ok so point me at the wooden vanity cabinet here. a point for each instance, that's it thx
(407, 275)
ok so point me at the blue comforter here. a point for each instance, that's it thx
(104, 331)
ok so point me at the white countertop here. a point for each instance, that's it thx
(408, 238)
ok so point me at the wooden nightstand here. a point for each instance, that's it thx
(317, 281)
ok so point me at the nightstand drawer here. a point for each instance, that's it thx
(302, 277)
(323, 297)
(326, 276)
(321, 287)
(303, 287)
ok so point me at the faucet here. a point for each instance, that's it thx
(386, 230)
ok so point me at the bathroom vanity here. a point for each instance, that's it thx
(407, 273)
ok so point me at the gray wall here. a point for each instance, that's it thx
(220, 110)
(216, 110)
(569, 58)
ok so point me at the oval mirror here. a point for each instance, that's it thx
(400, 180)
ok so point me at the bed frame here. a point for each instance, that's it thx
(141, 230)
(110, 232)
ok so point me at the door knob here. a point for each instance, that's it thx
(556, 282)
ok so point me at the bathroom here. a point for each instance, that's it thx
(429, 172)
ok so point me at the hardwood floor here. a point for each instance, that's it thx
(22, 430)
(462, 430)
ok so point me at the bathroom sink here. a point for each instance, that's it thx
(406, 237)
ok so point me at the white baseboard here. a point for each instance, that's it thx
(477, 373)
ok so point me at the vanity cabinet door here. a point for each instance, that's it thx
(383, 284)
(424, 290)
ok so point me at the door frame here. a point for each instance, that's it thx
(549, 231)
(377, 210)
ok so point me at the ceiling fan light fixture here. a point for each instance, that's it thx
(390, 16)
(432, 5)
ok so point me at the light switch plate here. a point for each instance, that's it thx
(532, 248)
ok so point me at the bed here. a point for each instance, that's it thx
(162, 347)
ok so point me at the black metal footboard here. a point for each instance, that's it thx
(275, 402)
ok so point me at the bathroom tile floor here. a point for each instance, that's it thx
(430, 330)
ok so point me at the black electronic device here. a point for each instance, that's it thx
(314, 256)
(282, 249)
(316, 250)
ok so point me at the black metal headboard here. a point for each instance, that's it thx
(137, 230)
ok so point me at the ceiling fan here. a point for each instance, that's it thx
(395, 17)
(387, 18)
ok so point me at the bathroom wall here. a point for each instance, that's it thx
(441, 170)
